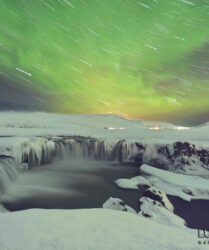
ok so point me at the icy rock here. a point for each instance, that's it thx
(177, 156)
(160, 196)
(126, 183)
(153, 156)
(132, 183)
(157, 212)
(118, 204)
(32, 150)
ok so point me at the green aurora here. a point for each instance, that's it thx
(146, 59)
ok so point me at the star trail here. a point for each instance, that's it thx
(146, 59)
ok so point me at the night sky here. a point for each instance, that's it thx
(146, 59)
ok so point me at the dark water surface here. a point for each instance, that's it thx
(195, 212)
(77, 184)
(71, 184)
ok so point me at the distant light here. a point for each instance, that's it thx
(160, 128)
(156, 128)
(112, 128)
(181, 128)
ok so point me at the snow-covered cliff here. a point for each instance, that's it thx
(176, 156)
(35, 139)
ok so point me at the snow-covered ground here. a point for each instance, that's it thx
(157, 212)
(36, 138)
(96, 126)
(90, 229)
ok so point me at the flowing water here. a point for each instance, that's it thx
(71, 184)
(74, 184)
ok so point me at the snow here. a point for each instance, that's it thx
(33, 148)
(33, 139)
(118, 204)
(157, 212)
(180, 185)
(129, 145)
(3, 209)
(132, 183)
(103, 229)
(186, 187)
(93, 125)
(159, 195)
(151, 155)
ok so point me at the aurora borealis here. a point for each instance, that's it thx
(146, 59)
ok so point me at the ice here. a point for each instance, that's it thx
(32, 150)
(17, 154)
(132, 183)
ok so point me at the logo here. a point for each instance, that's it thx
(203, 236)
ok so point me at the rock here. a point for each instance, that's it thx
(160, 196)
(176, 156)
(155, 211)
(118, 204)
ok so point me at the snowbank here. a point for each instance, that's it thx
(181, 185)
(184, 186)
(118, 204)
(133, 183)
(86, 229)
(160, 196)
(158, 213)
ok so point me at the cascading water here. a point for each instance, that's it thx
(17, 154)
(120, 151)
(9, 171)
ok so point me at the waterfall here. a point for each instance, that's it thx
(9, 171)
(36, 151)
(105, 150)
(17, 154)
